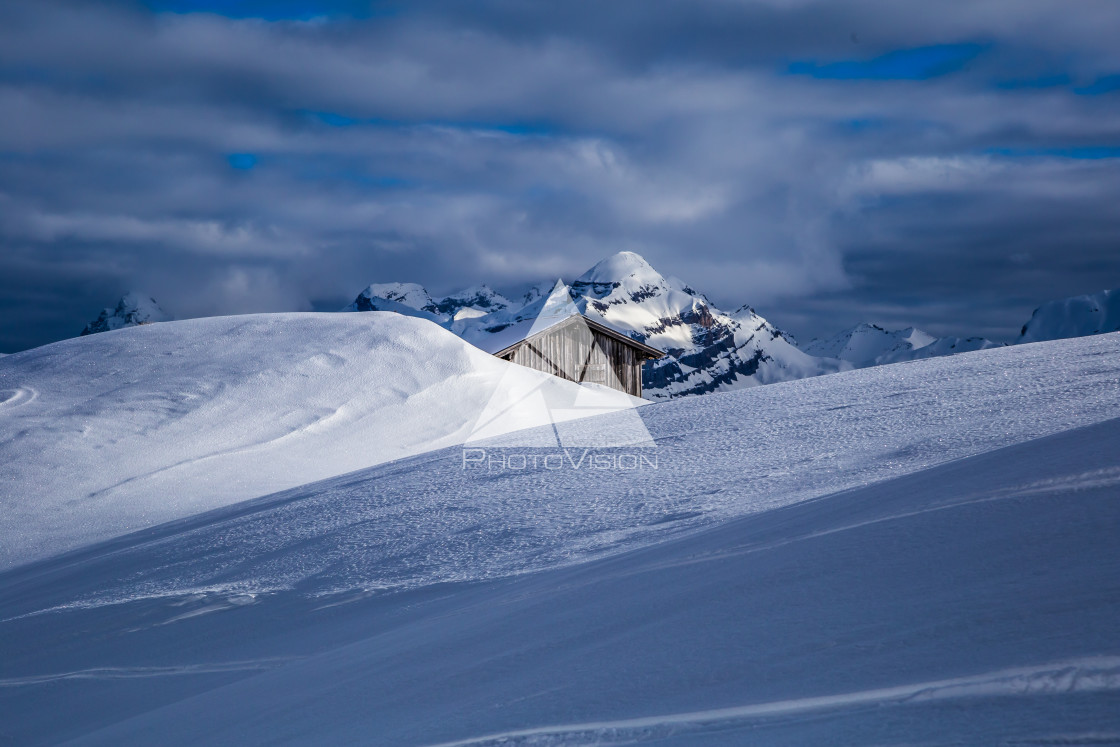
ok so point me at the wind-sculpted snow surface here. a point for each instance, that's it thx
(114, 432)
(973, 602)
(453, 515)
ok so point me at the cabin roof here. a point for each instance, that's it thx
(507, 339)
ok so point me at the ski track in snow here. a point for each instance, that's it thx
(214, 598)
(1094, 674)
(314, 423)
(12, 398)
(128, 673)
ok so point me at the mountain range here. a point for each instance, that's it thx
(707, 349)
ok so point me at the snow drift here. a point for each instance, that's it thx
(110, 433)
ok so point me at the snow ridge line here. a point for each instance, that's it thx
(1093, 674)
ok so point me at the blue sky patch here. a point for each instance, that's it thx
(921, 63)
(1044, 81)
(242, 161)
(868, 124)
(274, 10)
(1105, 84)
(1082, 152)
(334, 119)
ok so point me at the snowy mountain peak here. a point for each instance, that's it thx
(412, 295)
(707, 349)
(1077, 316)
(625, 268)
(536, 293)
(134, 308)
(471, 302)
(481, 298)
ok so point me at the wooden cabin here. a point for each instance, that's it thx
(585, 351)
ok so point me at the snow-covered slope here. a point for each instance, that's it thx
(806, 565)
(133, 309)
(871, 345)
(107, 434)
(1074, 317)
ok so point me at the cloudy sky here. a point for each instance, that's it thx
(949, 165)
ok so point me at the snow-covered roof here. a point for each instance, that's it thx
(558, 309)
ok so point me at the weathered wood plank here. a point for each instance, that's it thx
(579, 353)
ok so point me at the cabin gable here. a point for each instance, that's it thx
(583, 351)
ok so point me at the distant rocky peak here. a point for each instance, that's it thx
(537, 292)
(478, 297)
(412, 295)
(133, 309)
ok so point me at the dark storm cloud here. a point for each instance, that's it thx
(827, 162)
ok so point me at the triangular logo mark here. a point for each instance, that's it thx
(568, 349)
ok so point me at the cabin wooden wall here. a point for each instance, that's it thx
(625, 363)
(578, 353)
